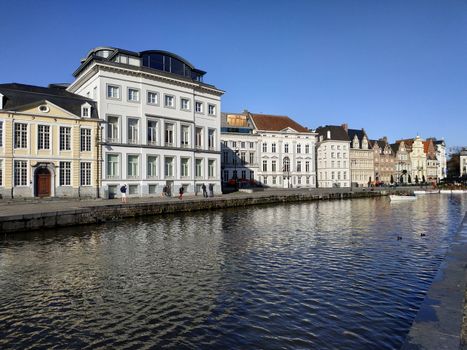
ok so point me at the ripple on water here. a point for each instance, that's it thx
(327, 275)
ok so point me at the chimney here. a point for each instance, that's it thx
(346, 127)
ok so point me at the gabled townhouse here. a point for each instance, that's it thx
(162, 122)
(384, 161)
(463, 162)
(49, 143)
(333, 157)
(361, 157)
(432, 163)
(440, 153)
(403, 165)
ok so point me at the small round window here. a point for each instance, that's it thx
(44, 109)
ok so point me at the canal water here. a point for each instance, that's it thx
(317, 275)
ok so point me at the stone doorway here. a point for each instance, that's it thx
(43, 179)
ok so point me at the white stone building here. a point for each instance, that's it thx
(333, 157)
(418, 159)
(440, 149)
(463, 162)
(287, 152)
(162, 121)
(362, 167)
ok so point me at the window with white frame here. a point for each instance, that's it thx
(133, 95)
(242, 144)
(1, 133)
(20, 172)
(211, 168)
(185, 104)
(252, 158)
(113, 91)
(85, 172)
(211, 138)
(243, 157)
(153, 98)
(184, 167)
(299, 166)
(198, 107)
(112, 166)
(43, 137)
(299, 148)
(152, 166)
(185, 136)
(199, 137)
(307, 148)
(168, 166)
(265, 147)
(152, 132)
(273, 148)
(199, 168)
(113, 128)
(286, 148)
(65, 173)
(21, 135)
(85, 140)
(273, 165)
(65, 138)
(85, 111)
(286, 164)
(133, 130)
(211, 109)
(169, 134)
(169, 101)
(132, 165)
(307, 166)
(265, 165)
(252, 145)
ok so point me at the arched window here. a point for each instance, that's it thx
(286, 164)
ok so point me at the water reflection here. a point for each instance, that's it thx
(313, 275)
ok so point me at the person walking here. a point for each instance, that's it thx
(180, 192)
(205, 193)
(123, 192)
(211, 190)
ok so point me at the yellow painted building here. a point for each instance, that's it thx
(49, 143)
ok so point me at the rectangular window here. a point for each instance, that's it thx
(211, 109)
(169, 134)
(198, 107)
(133, 190)
(211, 168)
(273, 148)
(133, 95)
(299, 166)
(265, 165)
(286, 148)
(65, 173)
(85, 173)
(243, 174)
(153, 98)
(152, 132)
(185, 104)
(85, 140)
(113, 91)
(307, 166)
(152, 166)
(43, 137)
(199, 168)
(185, 136)
(252, 175)
(65, 138)
(1, 133)
(21, 135)
(252, 145)
(112, 166)
(184, 163)
(265, 147)
(21, 173)
(169, 101)
(273, 180)
(242, 144)
(132, 166)
(112, 129)
(225, 157)
(273, 165)
(307, 148)
(1, 172)
(133, 130)
(243, 157)
(252, 158)
(234, 144)
(199, 137)
(168, 167)
(299, 148)
(211, 139)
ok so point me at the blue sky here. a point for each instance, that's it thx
(396, 68)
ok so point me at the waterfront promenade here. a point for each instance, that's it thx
(18, 215)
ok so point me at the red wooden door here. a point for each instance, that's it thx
(43, 183)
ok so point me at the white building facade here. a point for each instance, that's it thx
(162, 123)
(361, 157)
(463, 162)
(333, 157)
(287, 152)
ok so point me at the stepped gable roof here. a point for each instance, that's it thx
(356, 132)
(337, 133)
(268, 122)
(18, 96)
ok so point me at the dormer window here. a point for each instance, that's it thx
(86, 110)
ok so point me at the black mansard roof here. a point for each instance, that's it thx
(17, 96)
(337, 133)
